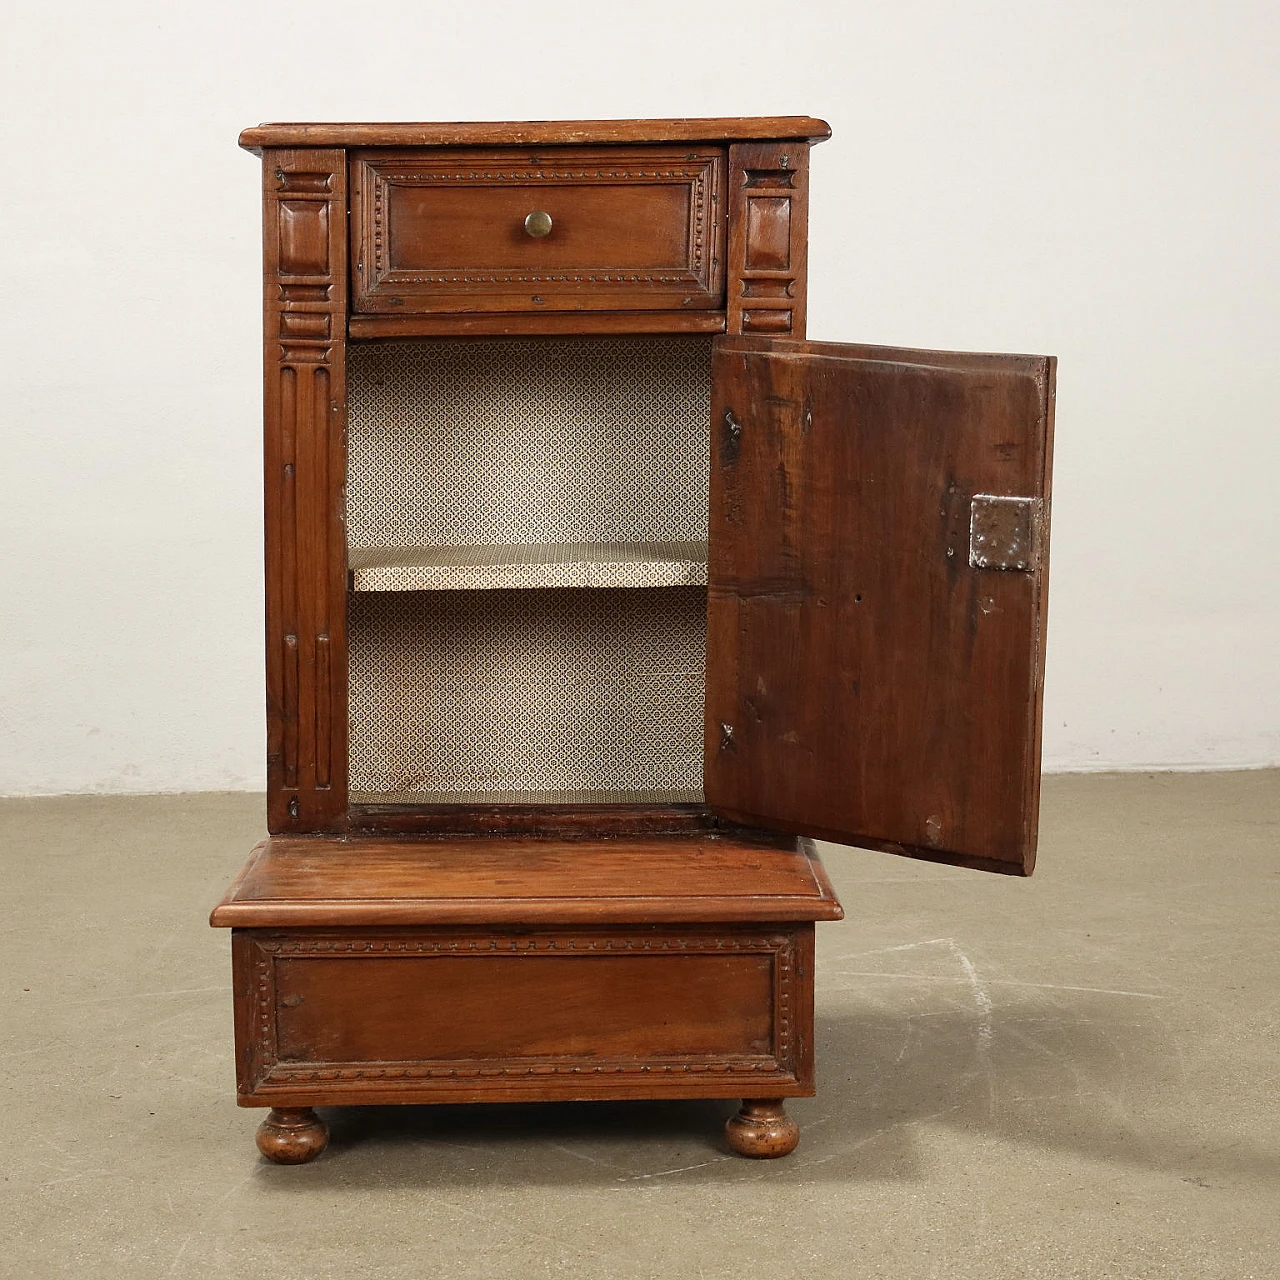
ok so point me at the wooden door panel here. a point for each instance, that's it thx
(876, 602)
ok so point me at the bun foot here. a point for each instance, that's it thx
(292, 1135)
(762, 1129)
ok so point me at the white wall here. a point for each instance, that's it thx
(1096, 180)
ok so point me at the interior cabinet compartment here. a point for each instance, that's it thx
(527, 697)
(553, 445)
(480, 470)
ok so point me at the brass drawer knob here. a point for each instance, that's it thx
(538, 224)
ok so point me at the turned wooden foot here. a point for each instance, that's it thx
(762, 1129)
(292, 1135)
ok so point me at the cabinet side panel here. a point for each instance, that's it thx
(304, 369)
(251, 986)
(768, 238)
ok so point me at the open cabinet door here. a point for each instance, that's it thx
(876, 602)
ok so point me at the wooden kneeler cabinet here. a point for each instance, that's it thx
(594, 594)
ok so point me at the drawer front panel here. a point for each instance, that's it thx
(429, 1015)
(408, 1010)
(630, 229)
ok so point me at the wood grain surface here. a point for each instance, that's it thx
(304, 416)
(444, 230)
(768, 254)
(316, 882)
(453, 324)
(370, 1015)
(865, 682)
(535, 132)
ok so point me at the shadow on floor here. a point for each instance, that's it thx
(1087, 1074)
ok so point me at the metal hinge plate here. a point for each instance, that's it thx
(1004, 533)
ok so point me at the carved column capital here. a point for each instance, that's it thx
(768, 238)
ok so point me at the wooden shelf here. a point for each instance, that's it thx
(402, 798)
(558, 564)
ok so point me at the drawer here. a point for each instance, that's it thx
(554, 229)
(327, 1017)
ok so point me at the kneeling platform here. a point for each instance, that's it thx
(378, 970)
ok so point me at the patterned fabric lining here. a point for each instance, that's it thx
(507, 693)
(560, 564)
(548, 462)
(505, 441)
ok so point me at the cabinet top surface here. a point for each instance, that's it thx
(316, 881)
(536, 132)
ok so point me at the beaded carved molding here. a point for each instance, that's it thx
(703, 1072)
(642, 226)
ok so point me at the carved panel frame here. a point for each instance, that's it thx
(380, 287)
(787, 1070)
(768, 239)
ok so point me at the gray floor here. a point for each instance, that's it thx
(1074, 1076)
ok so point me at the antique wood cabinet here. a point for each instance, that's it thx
(594, 594)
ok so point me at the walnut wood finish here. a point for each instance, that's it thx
(768, 238)
(550, 821)
(304, 362)
(292, 1135)
(762, 1129)
(871, 678)
(542, 133)
(446, 324)
(870, 684)
(309, 881)
(633, 228)
(374, 1015)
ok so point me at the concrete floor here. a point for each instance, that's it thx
(1074, 1076)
